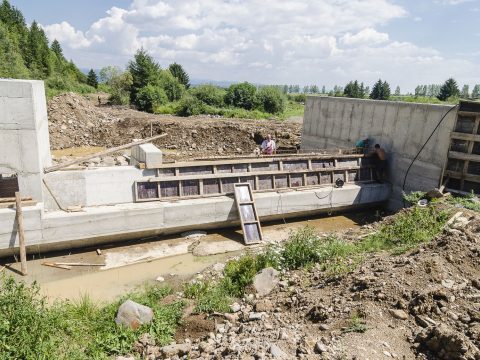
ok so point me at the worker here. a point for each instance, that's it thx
(362, 146)
(380, 160)
(268, 146)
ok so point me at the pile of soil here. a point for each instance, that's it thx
(424, 304)
(75, 121)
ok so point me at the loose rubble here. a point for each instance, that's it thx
(424, 304)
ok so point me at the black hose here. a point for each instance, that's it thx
(423, 146)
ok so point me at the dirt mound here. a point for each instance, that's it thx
(75, 121)
(424, 304)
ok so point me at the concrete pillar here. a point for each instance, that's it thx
(24, 139)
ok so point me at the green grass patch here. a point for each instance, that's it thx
(31, 329)
(356, 324)
(409, 229)
(293, 108)
(470, 202)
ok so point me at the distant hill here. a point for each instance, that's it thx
(25, 54)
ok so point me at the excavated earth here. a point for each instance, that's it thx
(424, 304)
(76, 121)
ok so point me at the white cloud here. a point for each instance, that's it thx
(66, 33)
(452, 2)
(269, 41)
(366, 36)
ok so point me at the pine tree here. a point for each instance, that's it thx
(465, 92)
(448, 89)
(144, 71)
(476, 91)
(380, 91)
(397, 91)
(57, 49)
(306, 89)
(92, 79)
(180, 74)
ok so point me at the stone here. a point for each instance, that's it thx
(265, 281)
(277, 352)
(175, 349)
(255, 316)
(324, 327)
(320, 348)
(235, 307)
(205, 347)
(160, 279)
(398, 314)
(124, 358)
(263, 305)
(448, 283)
(133, 315)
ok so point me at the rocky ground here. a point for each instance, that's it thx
(76, 121)
(423, 304)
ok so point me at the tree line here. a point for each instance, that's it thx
(25, 54)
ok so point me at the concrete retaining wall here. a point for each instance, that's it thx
(24, 139)
(60, 230)
(401, 128)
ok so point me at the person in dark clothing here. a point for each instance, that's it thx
(380, 161)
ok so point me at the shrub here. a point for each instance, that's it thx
(189, 106)
(239, 274)
(270, 99)
(170, 85)
(149, 97)
(241, 95)
(209, 94)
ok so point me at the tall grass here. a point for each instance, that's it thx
(30, 329)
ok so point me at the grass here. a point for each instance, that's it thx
(356, 324)
(31, 329)
(305, 249)
(470, 202)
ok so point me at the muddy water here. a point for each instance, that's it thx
(127, 267)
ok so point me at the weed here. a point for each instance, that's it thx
(356, 324)
(413, 197)
(409, 229)
(470, 202)
(239, 274)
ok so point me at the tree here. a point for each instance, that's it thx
(380, 91)
(323, 89)
(57, 49)
(314, 89)
(465, 92)
(209, 94)
(448, 89)
(270, 100)
(144, 71)
(241, 95)
(306, 89)
(397, 91)
(172, 87)
(92, 79)
(149, 97)
(476, 91)
(180, 74)
(354, 90)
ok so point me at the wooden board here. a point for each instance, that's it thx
(252, 231)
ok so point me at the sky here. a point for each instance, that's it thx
(322, 42)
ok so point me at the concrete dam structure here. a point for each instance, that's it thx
(451, 153)
(127, 202)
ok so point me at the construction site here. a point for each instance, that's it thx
(97, 200)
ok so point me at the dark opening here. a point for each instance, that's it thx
(8, 185)
(465, 124)
(459, 145)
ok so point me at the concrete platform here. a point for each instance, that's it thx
(56, 230)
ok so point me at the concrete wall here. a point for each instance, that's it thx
(93, 187)
(61, 230)
(401, 128)
(24, 140)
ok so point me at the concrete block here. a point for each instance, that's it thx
(148, 154)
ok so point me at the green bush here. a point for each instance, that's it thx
(170, 85)
(209, 94)
(270, 99)
(299, 98)
(150, 97)
(241, 95)
(189, 106)
(239, 274)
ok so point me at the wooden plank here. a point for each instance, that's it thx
(11, 205)
(65, 267)
(102, 153)
(463, 156)
(77, 264)
(463, 136)
(244, 196)
(13, 199)
(21, 233)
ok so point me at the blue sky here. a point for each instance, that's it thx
(324, 42)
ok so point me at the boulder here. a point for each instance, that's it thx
(133, 315)
(265, 281)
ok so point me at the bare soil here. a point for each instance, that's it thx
(77, 121)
